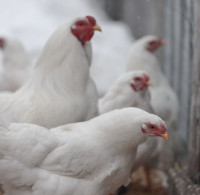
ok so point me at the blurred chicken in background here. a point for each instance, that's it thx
(15, 65)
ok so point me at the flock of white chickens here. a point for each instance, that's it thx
(57, 137)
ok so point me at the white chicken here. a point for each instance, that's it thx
(163, 98)
(129, 90)
(92, 157)
(16, 67)
(60, 90)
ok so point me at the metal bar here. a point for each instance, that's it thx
(194, 141)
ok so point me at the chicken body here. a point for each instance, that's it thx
(60, 90)
(16, 67)
(122, 95)
(92, 157)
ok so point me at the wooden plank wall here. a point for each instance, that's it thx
(194, 143)
(178, 56)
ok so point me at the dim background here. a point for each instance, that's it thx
(122, 21)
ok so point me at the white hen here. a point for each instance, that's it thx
(92, 157)
(129, 90)
(163, 98)
(60, 90)
(16, 67)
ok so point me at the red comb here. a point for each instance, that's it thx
(163, 129)
(146, 77)
(2, 43)
(91, 20)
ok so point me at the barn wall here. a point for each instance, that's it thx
(194, 142)
(178, 56)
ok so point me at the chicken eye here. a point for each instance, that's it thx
(152, 42)
(138, 79)
(81, 23)
(152, 126)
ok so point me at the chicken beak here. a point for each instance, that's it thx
(97, 27)
(149, 83)
(163, 42)
(165, 136)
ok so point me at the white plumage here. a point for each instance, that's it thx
(15, 65)
(60, 90)
(163, 98)
(122, 95)
(92, 157)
